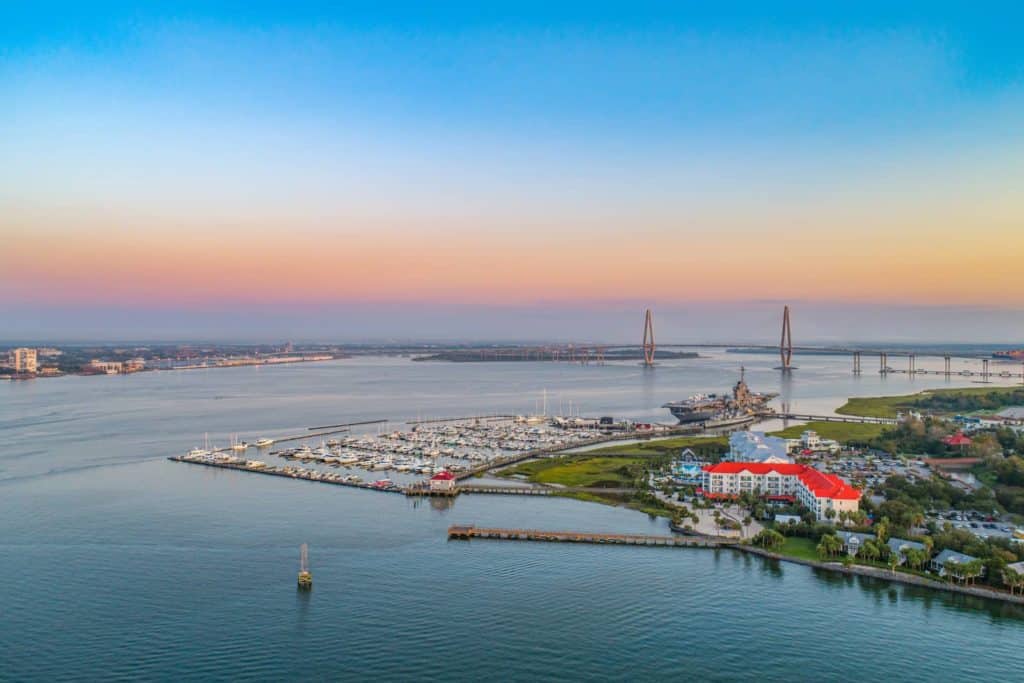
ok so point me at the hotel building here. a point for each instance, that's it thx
(24, 360)
(817, 491)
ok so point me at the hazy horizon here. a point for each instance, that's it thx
(753, 323)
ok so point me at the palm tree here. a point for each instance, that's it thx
(977, 569)
(869, 551)
(882, 529)
(1012, 579)
(829, 546)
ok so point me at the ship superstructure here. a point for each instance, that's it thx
(710, 408)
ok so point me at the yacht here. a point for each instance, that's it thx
(263, 443)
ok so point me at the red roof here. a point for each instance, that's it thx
(442, 476)
(957, 439)
(820, 484)
(754, 468)
(828, 485)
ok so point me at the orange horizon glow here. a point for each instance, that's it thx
(162, 267)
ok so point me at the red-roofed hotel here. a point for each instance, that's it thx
(820, 492)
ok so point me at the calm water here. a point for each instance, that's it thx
(115, 563)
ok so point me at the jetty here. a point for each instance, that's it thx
(470, 531)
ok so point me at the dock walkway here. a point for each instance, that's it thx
(469, 531)
(851, 419)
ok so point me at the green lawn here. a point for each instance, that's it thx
(887, 406)
(841, 432)
(802, 548)
(580, 470)
(662, 446)
(877, 406)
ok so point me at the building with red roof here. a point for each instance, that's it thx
(818, 491)
(957, 440)
(443, 481)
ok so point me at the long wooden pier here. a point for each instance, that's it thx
(482, 418)
(854, 419)
(469, 531)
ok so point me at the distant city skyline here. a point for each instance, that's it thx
(183, 170)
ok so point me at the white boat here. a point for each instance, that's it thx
(198, 452)
(263, 443)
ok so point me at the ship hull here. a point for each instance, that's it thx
(686, 416)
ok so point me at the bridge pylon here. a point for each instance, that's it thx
(786, 343)
(649, 346)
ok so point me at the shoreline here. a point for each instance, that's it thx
(885, 574)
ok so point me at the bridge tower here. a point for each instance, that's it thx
(856, 362)
(786, 343)
(305, 578)
(648, 339)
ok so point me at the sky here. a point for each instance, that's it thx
(513, 171)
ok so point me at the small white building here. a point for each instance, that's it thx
(811, 441)
(853, 540)
(443, 482)
(757, 447)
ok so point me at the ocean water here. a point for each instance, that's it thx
(116, 563)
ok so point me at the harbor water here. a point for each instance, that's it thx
(116, 563)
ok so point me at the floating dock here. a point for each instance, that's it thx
(466, 532)
(307, 475)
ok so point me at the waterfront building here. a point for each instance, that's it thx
(818, 491)
(757, 447)
(853, 540)
(957, 440)
(810, 442)
(104, 367)
(949, 562)
(443, 482)
(1017, 567)
(900, 546)
(24, 360)
(134, 365)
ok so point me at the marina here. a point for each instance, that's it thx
(464, 447)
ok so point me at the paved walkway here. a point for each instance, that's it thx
(707, 525)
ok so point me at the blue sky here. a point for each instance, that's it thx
(874, 138)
